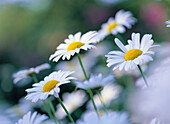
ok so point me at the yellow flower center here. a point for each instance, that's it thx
(111, 26)
(50, 85)
(100, 112)
(132, 54)
(74, 45)
(72, 107)
(17, 110)
(30, 73)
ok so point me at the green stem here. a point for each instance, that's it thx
(101, 100)
(35, 78)
(53, 110)
(143, 75)
(89, 90)
(69, 116)
(91, 97)
(120, 38)
(81, 64)
(48, 111)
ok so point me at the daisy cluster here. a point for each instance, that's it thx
(97, 96)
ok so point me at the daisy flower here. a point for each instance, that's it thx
(19, 109)
(71, 101)
(95, 82)
(106, 118)
(168, 23)
(135, 53)
(29, 72)
(117, 25)
(109, 92)
(49, 86)
(33, 118)
(74, 44)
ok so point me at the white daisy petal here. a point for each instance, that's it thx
(71, 37)
(150, 52)
(146, 39)
(121, 29)
(136, 61)
(61, 46)
(77, 36)
(111, 63)
(120, 45)
(127, 66)
(117, 53)
(130, 45)
(115, 67)
(122, 66)
(137, 40)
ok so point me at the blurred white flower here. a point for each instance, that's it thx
(147, 103)
(162, 58)
(71, 101)
(163, 51)
(160, 68)
(95, 82)
(33, 118)
(117, 25)
(109, 93)
(135, 53)
(22, 74)
(74, 44)
(72, 65)
(105, 118)
(49, 86)
(168, 23)
(19, 109)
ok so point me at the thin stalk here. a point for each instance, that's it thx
(101, 100)
(48, 111)
(69, 116)
(91, 97)
(143, 75)
(82, 67)
(35, 78)
(53, 110)
(89, 90)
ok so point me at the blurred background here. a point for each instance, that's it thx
(30, 30)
